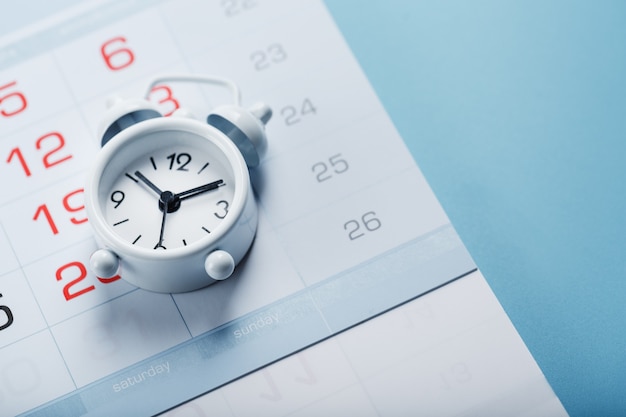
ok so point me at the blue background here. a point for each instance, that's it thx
(516, 113)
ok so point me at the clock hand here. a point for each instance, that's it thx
(160, 244)
(148, 183)
(199, 190)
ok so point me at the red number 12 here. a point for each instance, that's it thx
(49, 159)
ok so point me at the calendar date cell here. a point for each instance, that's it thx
(168, 97)
(123, 331)
(32, 372)
(64, 286)
(331, 168)
(211, 307)
(362, 225)
(420, 326)
(119, 54)
(44, 222)
(311, 109)
(43, 154)
(31, 92)
(19, 314)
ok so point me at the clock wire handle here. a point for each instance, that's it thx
(206, 79)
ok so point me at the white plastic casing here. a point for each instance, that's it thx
(251, 141)
(180, 269)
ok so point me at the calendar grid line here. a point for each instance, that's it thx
(76, 105)
(7, 134)
(30, 192)
(360, 382)
(184, 57)
(182, 316)
(139, 80)
(18, 266)
(63, 358)
(49, 254)
(377, 112)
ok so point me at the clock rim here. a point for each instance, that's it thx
(93, 204)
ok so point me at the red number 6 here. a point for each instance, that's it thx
(116, 59)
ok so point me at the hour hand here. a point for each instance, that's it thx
(199, 190)
(148, 183)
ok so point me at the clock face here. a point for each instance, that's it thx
(168, 190)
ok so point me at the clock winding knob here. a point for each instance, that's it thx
(104, 263)
(219, 265)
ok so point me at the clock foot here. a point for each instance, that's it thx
(219, 265)
(104, 263)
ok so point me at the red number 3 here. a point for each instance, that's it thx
(167, 97)
(16, 100)
(117, 58)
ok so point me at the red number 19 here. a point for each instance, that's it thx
(43, 210)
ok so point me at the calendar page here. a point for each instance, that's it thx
(357, 293)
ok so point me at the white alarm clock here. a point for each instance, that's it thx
(170, 199)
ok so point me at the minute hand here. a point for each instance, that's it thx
(199, 190)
